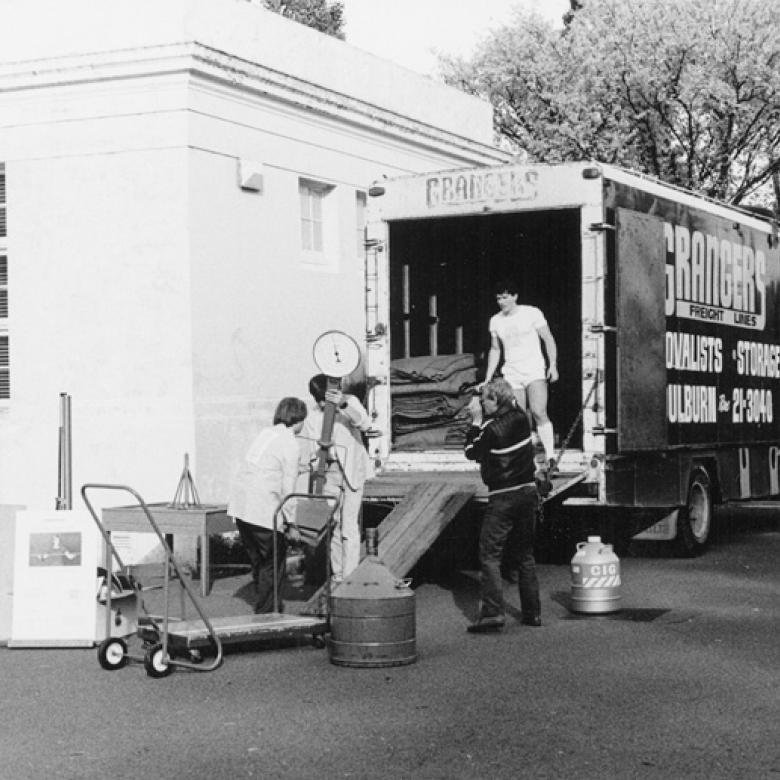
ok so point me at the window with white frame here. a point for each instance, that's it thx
(361, 201)
(319, 221)
(5, 378)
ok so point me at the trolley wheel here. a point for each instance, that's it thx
(112, 653)
(695, 519)
(155, 663)
(318, 640)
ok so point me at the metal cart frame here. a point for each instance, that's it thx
(166, 640)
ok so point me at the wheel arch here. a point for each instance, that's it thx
(709, 463)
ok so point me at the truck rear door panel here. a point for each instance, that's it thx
(641, 329)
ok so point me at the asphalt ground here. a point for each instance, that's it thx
(683, 682)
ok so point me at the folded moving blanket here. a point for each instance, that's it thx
(453, 384)
(431, 438)
(429, 368)
(421, 407)
(461, 420)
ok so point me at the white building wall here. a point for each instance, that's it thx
(101, 310)
(173, 306)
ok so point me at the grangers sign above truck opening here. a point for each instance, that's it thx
(475, 187)
(504, 188)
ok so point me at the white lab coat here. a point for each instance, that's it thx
(267, 475)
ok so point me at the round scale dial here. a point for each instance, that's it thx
(336, 354)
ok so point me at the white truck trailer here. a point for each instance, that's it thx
(664, 306)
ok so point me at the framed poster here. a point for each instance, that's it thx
(56, 556)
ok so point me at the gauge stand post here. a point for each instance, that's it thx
(325, 443)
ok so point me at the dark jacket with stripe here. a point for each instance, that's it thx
(503, 448)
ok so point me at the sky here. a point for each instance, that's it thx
(410, 31)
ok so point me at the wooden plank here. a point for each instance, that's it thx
(414, 504)
(415, 530)
(393, 486)
(410, 529)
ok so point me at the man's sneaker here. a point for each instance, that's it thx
(532, 620)
(487, 624)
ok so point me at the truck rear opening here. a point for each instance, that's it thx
(663, 304)
(441, 276)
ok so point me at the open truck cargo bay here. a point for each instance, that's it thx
(663, 304)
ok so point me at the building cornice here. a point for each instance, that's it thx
(250, 78)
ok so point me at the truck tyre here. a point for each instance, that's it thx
(694, 525)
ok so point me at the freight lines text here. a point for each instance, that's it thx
(714, 278)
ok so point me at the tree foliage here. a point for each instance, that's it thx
(685, 90)
(327, 17)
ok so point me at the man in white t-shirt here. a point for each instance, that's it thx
(520, 330)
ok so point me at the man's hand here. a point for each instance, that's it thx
(293, 533)
(334, 396)
(552, 373)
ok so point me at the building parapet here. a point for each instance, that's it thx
(200, 61)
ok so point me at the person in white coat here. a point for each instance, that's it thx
(349, 467)
(266, 476)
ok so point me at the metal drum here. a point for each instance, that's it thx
(372, 619)
(595, 578)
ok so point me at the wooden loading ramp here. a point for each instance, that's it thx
(425, 503)
(417, 520)
(412, 526)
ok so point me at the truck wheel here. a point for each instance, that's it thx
(694, 524)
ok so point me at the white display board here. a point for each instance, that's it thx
(56, 555)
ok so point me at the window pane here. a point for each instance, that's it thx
(306, 226)
(305, 198)
(316, 206)
(311, 217)
(317, 236)
(5, 381)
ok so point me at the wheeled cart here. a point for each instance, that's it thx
(171, 642)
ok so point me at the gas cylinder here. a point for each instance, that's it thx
(372, 618)
(595, 578)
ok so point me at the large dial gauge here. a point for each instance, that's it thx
(336, 354)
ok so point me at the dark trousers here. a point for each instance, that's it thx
(513, 512)
(258, 543)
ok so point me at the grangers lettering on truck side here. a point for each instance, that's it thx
(714, 279)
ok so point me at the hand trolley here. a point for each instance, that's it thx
(173, 642)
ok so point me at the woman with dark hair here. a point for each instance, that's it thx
(266, 476)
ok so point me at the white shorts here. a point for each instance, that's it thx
(521, 379)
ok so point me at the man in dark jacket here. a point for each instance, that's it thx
(500, 441)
